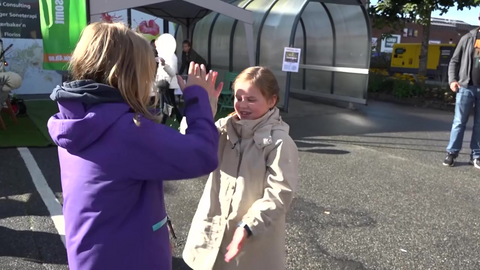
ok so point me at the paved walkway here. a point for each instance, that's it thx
(373, 195)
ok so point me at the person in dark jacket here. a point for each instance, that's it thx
(189, 55)
(464, 79)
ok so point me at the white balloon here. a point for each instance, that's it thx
(166, 46)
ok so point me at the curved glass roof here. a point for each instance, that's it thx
(334, 36)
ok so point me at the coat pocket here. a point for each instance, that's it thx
(159, 224)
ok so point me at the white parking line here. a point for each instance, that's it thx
(53, 205)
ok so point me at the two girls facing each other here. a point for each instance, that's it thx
(114, 157)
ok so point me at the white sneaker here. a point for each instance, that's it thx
(475, 163)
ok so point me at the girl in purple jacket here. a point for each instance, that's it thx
(114, 156)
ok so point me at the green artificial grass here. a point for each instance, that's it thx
(22, 134)
(31, 129)
(39, 112)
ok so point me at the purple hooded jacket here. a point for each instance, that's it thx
(112, 174)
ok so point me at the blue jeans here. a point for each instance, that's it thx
(467, 99)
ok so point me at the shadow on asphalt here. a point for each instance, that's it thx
(14, 208)
(26, 245)
(314, 148)
(373, 119)
(377, 144)
(179, 264)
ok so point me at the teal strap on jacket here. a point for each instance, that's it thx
(159, 224)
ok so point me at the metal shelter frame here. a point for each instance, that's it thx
(183, 12)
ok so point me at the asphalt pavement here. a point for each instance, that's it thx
(28, 238)
(373, 195)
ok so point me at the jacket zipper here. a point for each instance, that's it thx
(240, 155)
(239, 145)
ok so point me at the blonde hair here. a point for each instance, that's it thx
(112, 54)
(263, 78)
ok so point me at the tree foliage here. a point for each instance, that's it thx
(395, 14)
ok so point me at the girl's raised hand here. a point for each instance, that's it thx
(197, 75)
(212, 90)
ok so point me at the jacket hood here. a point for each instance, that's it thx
(86, 110)
(86, 91)
(474, 32)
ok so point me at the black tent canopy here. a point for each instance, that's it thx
(183, 12)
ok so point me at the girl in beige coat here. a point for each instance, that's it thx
(240, 220)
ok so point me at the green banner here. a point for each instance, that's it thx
(62, 22)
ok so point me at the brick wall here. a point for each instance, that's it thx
(441, 33)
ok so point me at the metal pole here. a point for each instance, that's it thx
(88, 11)
(129, 17)
(165, 26)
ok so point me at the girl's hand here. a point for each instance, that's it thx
(197, 75)
(236, 244)
(212, 90)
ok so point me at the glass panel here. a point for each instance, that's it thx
(296, 81)
(240, 52)
(200, 35)
(221, 42)
(275, 37)
(319, 81)
(221, 74)
(319, 49)
(351, 85)
(316, 81)
(353, 43)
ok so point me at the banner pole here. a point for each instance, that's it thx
(129, 18)
(87, 4)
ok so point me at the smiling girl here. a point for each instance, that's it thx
(240, 220)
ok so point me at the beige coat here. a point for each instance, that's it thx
(254, 183)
